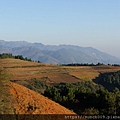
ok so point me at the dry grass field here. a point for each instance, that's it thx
(24, 70)
(91, 72)
(11, 62)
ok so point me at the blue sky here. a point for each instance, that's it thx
(94, 23)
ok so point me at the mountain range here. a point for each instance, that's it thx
(53, 54)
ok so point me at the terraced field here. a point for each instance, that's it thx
(24, 70)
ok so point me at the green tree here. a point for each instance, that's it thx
(117, 100)
(53, 93)
(91, 111)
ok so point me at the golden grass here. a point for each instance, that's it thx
(85, 75)
(84, 72)
(37, 103)
(11, 62)
(89, 72)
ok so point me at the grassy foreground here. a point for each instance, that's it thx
(5, 101)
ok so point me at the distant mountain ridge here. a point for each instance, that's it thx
(61, 54)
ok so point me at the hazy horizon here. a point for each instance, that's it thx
(86, 23)
(58, 45)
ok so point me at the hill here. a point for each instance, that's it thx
(25, 70)
(62, 54)
(30, 102)
(72, 84)
(16, 101)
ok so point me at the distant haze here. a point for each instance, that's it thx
(88, 23)
(52, 54)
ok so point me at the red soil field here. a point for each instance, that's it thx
(30, 102)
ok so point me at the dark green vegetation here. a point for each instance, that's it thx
(5, 100)
(109, 80)
(37, 85)
(86, 64)
(85, 98)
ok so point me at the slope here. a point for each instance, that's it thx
(29, 102)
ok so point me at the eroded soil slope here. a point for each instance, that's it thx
(30, 102)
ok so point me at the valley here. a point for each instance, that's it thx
(51, 81)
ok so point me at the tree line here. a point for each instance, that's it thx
(89, 64)
(9, 55)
